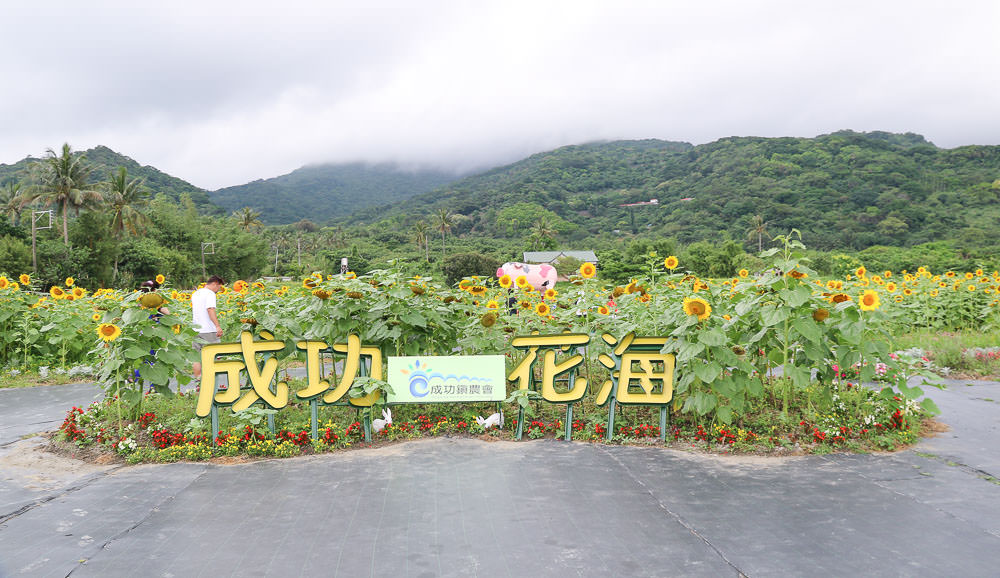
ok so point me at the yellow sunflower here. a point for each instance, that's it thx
(887, 273)
(322, 294)
(697, 306)
(860, 271)
(79, 292)
(521, 281)
(506, 281)
(588, 270)
(70, 281)
(56, 292)
(25, 279)
(4, 282)
(309, 283)
(869, 301)
(744, 273)
(464, 284)
(890, 287)
(551, 293)
(491, 304)
(671, 262)
(96, 316)
(160, 279)
(542, 310)
(350, 275)
(478, 290)
(108, 331)
(602, 310)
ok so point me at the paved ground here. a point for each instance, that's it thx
(457, 507)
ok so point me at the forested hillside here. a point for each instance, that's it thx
(321, 192)
(104, 162)
(844, 191)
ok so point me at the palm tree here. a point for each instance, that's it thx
(444, 220)
(420, 231)
(63, 182)
(12, 202)
(758, 228)
(247, 219)
(124, 198)
(541, 233)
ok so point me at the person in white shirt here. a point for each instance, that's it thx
(205, 321)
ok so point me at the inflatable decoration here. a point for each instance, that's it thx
(541, 277)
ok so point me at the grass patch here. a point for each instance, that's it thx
(33, 378)
(967, 354)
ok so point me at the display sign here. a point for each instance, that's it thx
(439, 379)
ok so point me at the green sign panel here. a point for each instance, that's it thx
(439, 379)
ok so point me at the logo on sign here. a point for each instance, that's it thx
(421, 376)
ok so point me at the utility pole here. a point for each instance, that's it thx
(34, 219)
(210, 251)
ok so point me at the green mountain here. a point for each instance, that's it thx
(105, 162)
(322, 192)
(845, 190)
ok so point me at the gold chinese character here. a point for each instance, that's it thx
(315, 385)
(523, 373)
(260, 377)
(641, 374)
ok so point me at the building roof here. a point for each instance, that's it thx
(551, 256)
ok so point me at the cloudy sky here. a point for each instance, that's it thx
(222, 93)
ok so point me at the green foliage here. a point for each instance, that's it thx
(321, 192)
(469, 264)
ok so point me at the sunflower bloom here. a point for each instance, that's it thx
(160, 279)
(521, 281)
(488, 320)
(744, 273)
(491, 304)
(506, 281)
(321, 293)
(869, 301)
(697, 306)
(25, 279)
(542, 310)
(860, 271)
(588, 270)
(70, 281)
(890, 287)
(4, 282)
(96, 316)
(671, 262)
(602, 310)
(309, 283)
(821, 314)
(56, 291)
(108, 331)
(551, 293)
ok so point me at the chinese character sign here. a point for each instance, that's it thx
(551, 346)
(640, 373)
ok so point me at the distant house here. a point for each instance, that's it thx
(553, 256)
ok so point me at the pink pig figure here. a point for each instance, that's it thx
(541, 277)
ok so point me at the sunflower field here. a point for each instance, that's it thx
(729, 335)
